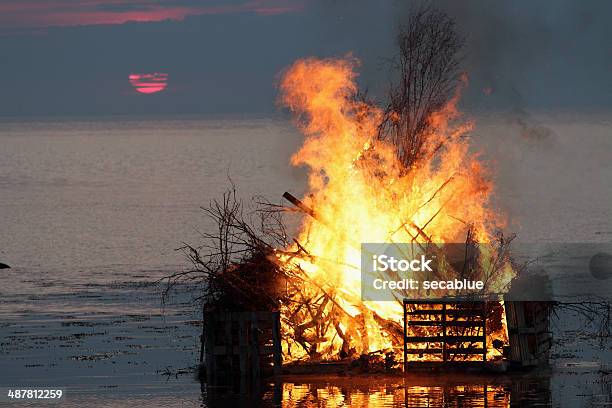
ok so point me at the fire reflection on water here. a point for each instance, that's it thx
(295, 395)
(445, 390)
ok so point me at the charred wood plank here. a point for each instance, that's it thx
(299, 204)
(449, 351)
(447, 339)
(448, 323)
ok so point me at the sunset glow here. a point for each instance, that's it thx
(149, 83)
(34, 13)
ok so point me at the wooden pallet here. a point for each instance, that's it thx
(528, 332)
(450, 324)
(243, 345)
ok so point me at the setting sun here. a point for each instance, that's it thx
(149, 83)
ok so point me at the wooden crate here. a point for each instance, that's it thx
(241, 345)
(528, 332)
(450, 324)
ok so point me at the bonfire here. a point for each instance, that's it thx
(360, 190)
(403, 173)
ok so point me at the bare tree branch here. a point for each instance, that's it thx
(426, 72)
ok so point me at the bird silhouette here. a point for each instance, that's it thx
(4, 266)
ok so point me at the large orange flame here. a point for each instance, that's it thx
(360, 192)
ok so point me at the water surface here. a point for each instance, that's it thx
(92, 210)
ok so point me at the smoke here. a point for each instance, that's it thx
(536, 55)
(530, 129)
(520, 56)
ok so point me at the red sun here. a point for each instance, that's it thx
(149, 83)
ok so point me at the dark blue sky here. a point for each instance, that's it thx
(74, 57)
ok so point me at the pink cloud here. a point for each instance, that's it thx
(29, 13)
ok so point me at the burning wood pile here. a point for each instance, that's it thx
(400, 174)
(360, 190)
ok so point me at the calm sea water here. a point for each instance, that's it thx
(91, 212)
